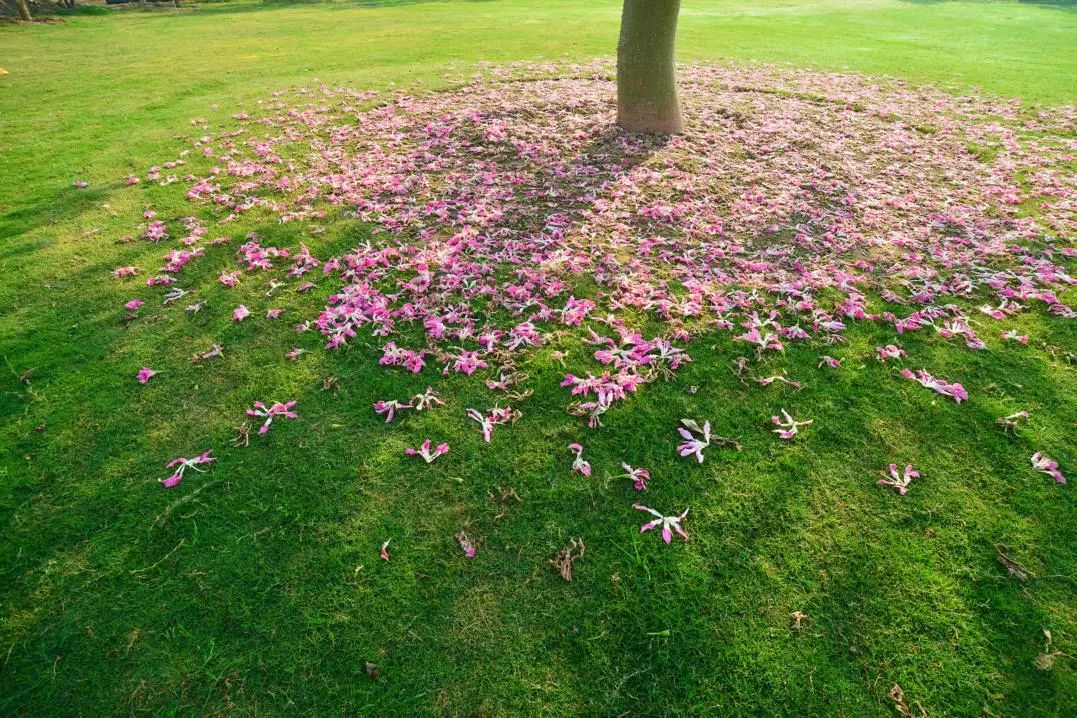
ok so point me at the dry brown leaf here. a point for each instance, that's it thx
(566, 556)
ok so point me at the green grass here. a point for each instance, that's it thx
(256, 589)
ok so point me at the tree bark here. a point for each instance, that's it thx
(24, 10)
(646, 73)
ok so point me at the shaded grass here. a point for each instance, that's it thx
(256, 587)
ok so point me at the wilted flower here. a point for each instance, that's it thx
(120, 272)
(183, 465)
(145, 374)
(900, 481)
(579, 465)
(1047, 466)
(465, 544)
(889, 352)
(1013, 421)
(669, 524)
(240, 313)
(425, 452)
(697, 438)
(426, 400)
(272, 412)
(955, 391)
(389, 408)
(788, 426)
(1014, 336)
(639, 477)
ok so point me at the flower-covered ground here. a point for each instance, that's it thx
(468, 402)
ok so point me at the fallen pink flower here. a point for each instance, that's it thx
(145, 374)
(767, 381)
(426, 400)
(274, 313)
(272, 412)
(1047, 466)
(184, 464)
(669, 524)
(468, 362)
(1013, 421)
(385, 550)
(465, 544)
(697, 438)
(214, 351)
(788, 426)
(1014, 336)
(900, 481)
(82, 184)
(579, 465)
(389, 408)
(425, 452)
(889, 352)
(830, 362)
(639, 477)
(295, 353)
(955, 391)
(240, 313)
(134, 304)
(120, 272)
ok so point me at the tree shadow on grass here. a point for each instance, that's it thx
(61, 207)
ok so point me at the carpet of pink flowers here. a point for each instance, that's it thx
(513, 208)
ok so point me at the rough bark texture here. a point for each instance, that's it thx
(24, 10)
(646, 75)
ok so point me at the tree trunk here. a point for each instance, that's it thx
(646, 74)
(24, 10)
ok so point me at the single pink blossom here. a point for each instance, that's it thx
(890, 351)
(184, 464)
(269, 413)
(121, 272)
(1014, 336)
(579, 465)
(669, 524)
(465, 544)
(696, 438)
(134, 304)
(788, 427)
(900, 481)
(1047, 465)
(145, 374)
(389, 408)
(426, 400)
(425, 452)
(385, 550)
(955, 391)
(240, 313)
(639, 477)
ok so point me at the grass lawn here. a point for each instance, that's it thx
(256, 588)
